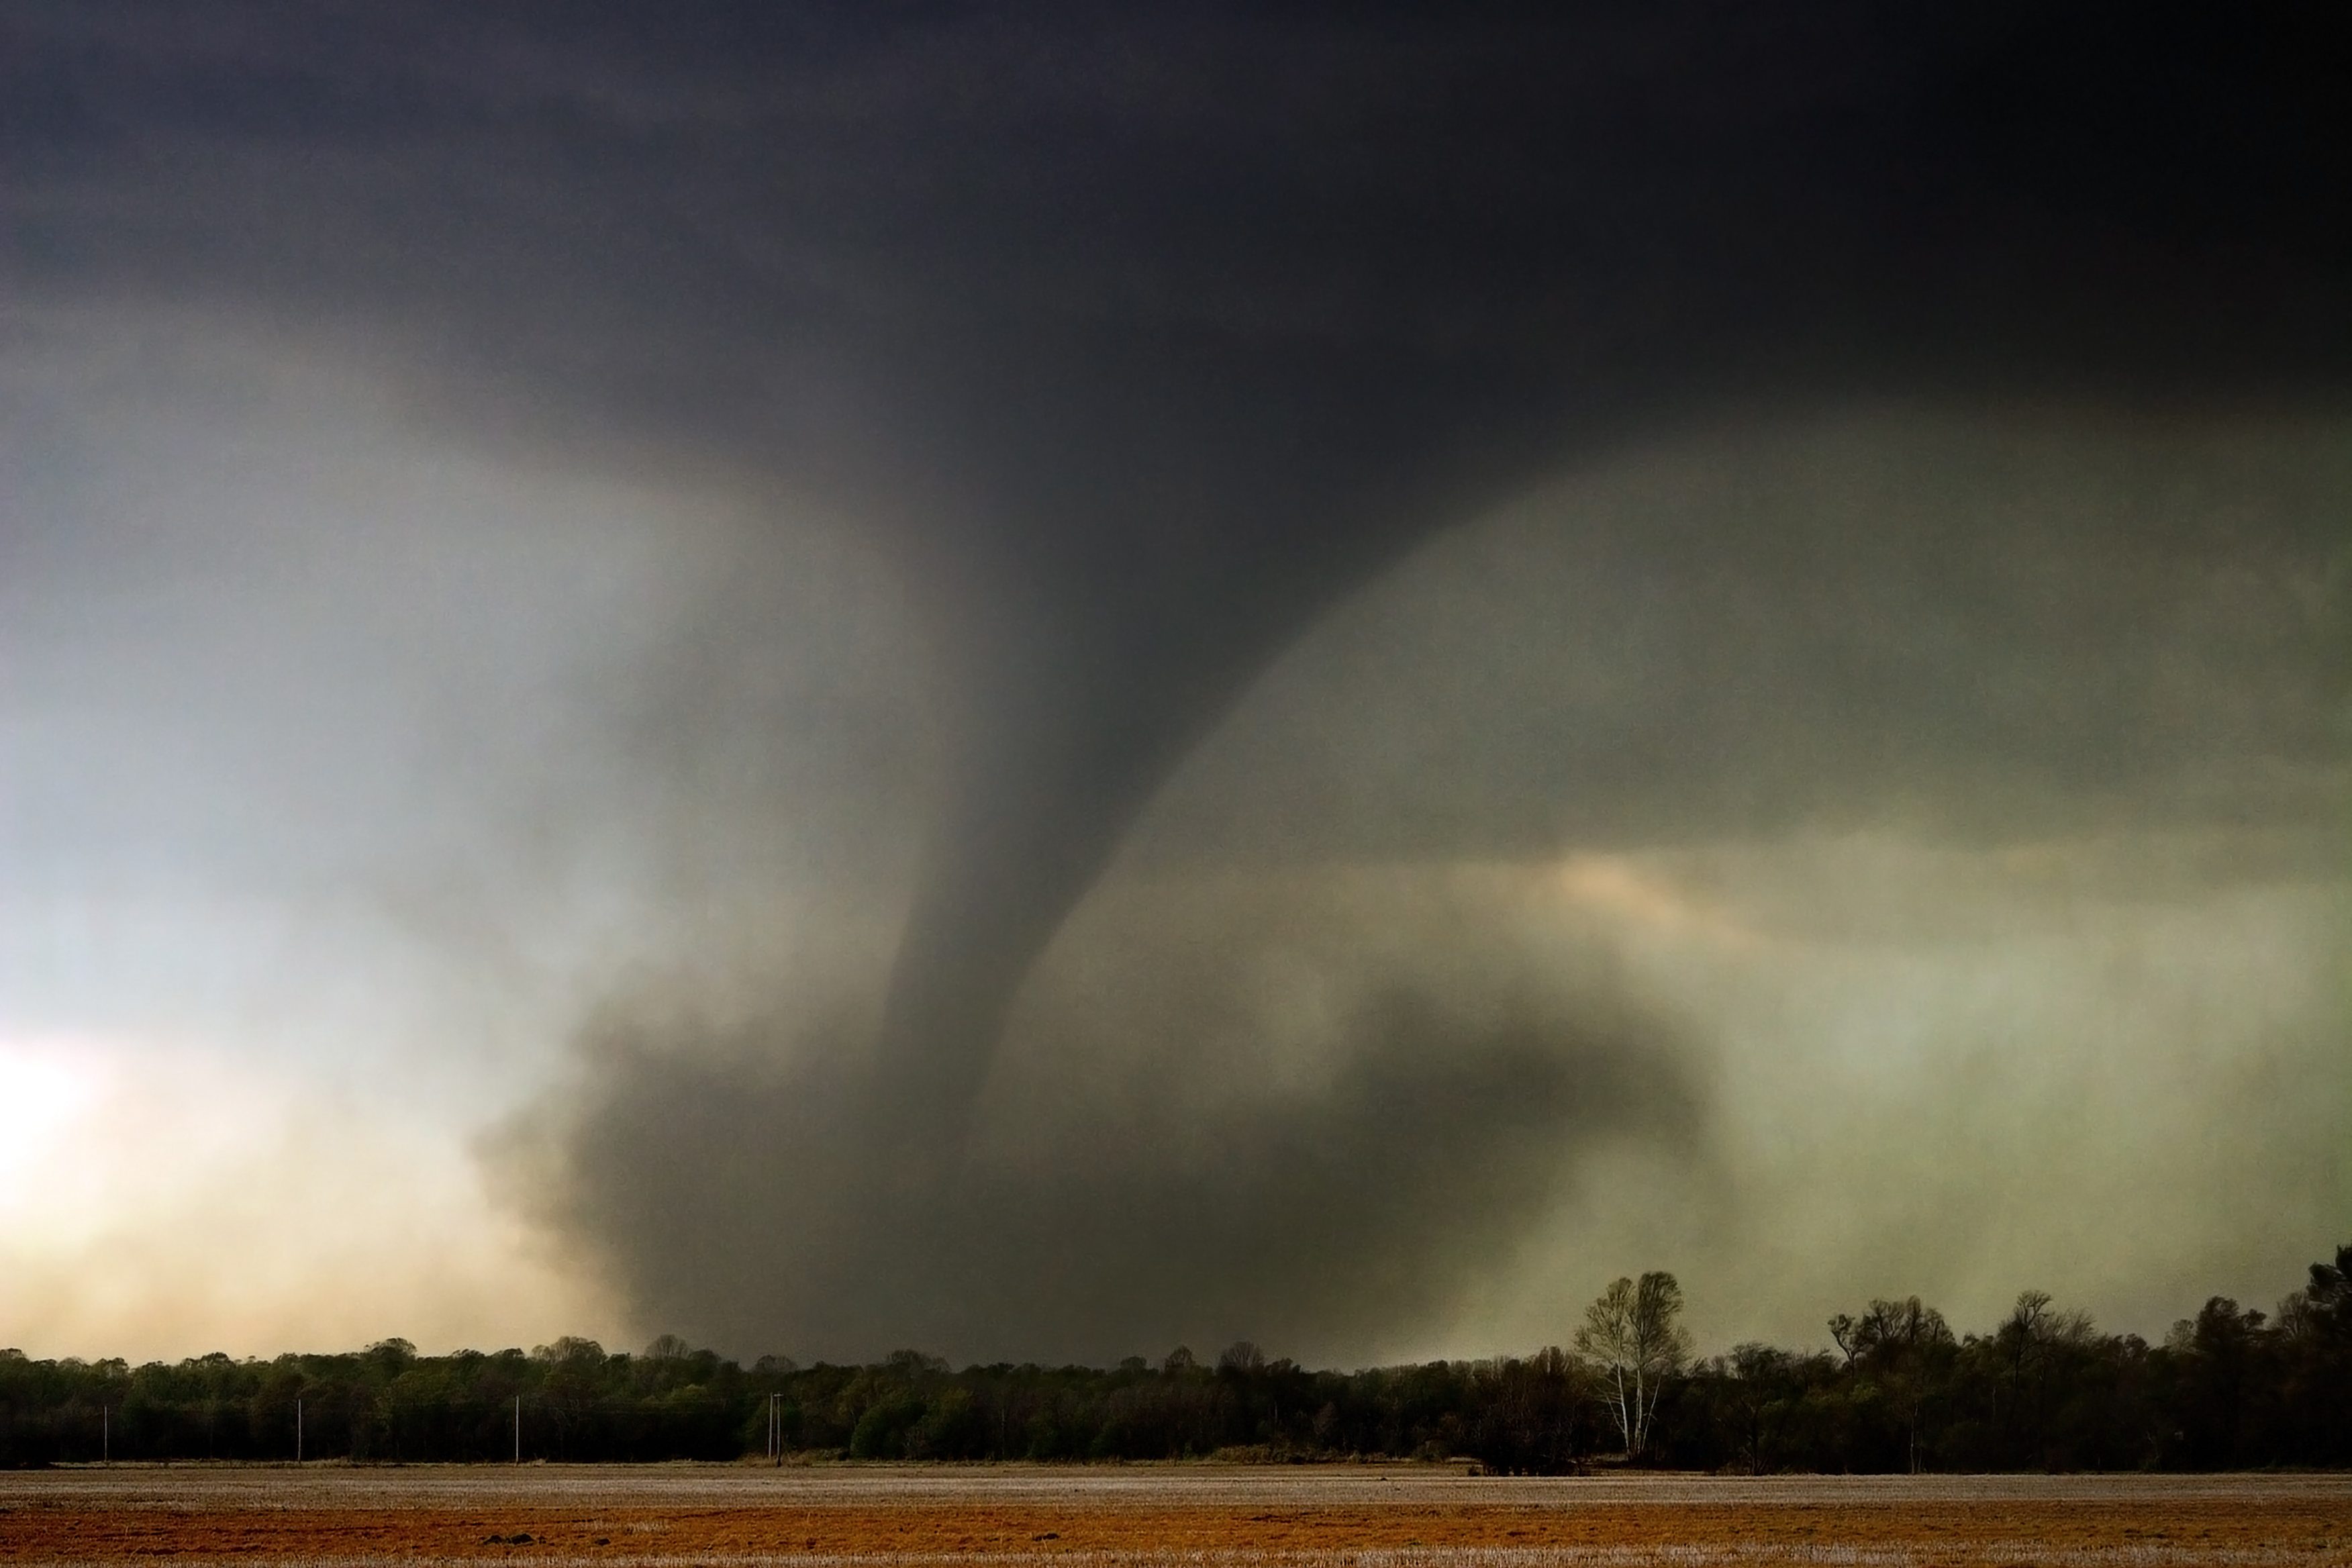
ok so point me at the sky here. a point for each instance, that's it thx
(834, 681)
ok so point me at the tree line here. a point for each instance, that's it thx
(2043, 1389)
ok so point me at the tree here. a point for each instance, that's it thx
(1894, 1328)
(2031, 1340)
(2328, 1298)
(1632, 1332)
(1756, 1381)
(1893, 1341)
(1241, 1358)
(2223, 1347)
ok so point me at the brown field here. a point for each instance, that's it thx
(1364, 1516)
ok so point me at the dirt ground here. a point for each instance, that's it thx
(1341, 1517)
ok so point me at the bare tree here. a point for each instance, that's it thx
(1632, 1332)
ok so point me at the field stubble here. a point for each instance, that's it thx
(1159, 1517)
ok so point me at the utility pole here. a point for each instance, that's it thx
(105, 1433)
(298, 1429)
(517, 1429)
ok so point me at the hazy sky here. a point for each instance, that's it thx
(1040, 688)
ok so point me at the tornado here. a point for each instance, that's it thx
(1138, 343)
(1983, 211)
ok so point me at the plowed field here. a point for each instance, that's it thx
(1343, 1517)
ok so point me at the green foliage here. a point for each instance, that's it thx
(881, 1431)
(2043, 1389)
(2230, 1388)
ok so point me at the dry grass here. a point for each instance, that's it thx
(1152, 1517)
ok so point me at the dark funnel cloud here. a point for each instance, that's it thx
(1135, 339)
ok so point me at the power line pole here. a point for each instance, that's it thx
(298, 1429)
(517, 1429)
(105, 1433)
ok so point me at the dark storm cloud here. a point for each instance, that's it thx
(1136, 341)
(2043, 623)
(1177, 1148)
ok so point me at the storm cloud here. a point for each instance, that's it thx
(1911, 423)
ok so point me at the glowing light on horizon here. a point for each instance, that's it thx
(47, 1090)
(161, 1198)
